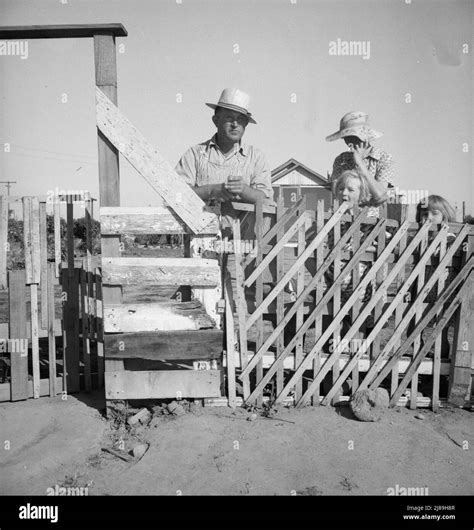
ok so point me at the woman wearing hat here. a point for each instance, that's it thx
(372, 163)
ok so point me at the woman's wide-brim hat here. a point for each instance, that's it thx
(355, 124)
(234, 99)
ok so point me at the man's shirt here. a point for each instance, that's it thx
(206, 164)
(378, 162)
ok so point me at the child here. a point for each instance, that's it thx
(435, 209)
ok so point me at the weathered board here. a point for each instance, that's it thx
(160, 271)
(171, 316)
(165, 345)
(162, 384)
(147, 220)
(151, 165)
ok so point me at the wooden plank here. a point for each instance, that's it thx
(460, 379)
(300, 310)
(70, 237)
(61, 31)
(318, 294)
(230, 338)
(86, 346)
(241, 305)
(398, 314)
(31, 239)
(336, 301)
(381, 275)
(147, 220)
(71, 324)
(57, 237)
(151, 165)
(439, 339)
(416, 344)
(172, 316)
(162, 384)
(267, 206)
(259, 292)
(35, 339)
(99, 323)
(18, 329)
(280, 272)
(3, 241)
(51, 331)
(109, 178)
(160, 271)
(356, 307)
(44, 266)
(165, 345)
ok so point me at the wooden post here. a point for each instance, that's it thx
(44, 265)
(259, 291)
(109, 177)
(18, 331)
(57, 236)
(86, 348)
(460, 377)
(51, 332)
(336, 302)
(3, 240)
(318, 294)
(31, 237)
(230, 338)
(300, 312)
(280, 304)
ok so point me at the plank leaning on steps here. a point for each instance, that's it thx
(160, 271)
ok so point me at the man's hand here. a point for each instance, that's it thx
(235, 185)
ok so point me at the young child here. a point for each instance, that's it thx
(435, 209)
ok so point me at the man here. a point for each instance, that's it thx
(224, 169)
(373, 163)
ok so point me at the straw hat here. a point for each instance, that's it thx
(355, 124)
(234, 99)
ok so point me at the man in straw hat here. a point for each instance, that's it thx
(224, 169)
(371, 162)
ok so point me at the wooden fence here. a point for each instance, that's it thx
(51, 334)
(411, 277)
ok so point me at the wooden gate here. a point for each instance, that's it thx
(402, 277)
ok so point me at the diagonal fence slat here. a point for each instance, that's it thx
(347, 269)
(410, 312)
(318, 240)
(319, 274)
(384, 318)
(362, 316)
(447, 293)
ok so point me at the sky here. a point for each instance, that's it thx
(416, 84)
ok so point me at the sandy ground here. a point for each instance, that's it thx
(217, 451)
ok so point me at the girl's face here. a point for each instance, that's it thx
(349, 191)
(433, 215)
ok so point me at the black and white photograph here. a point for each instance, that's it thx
(236, 259)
